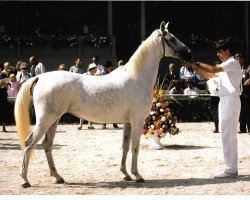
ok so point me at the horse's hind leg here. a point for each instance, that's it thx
(30, 144)
(47, 145)
(80, 124)
(125, 149)
(136, 136)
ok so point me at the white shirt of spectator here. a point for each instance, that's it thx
(189, 91)
(40, 68)
(185, 73)
(230, 79)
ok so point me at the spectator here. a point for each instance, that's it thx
(62, 67)
(190, 89)
(246, 94)
(18, 65)
(4, 105)
(14, 86)
(77, 68)
(2, 73)
(171, 77)
(243, 97)
(9, 70)
(24, 75)
(92, 70)
(100, 68)
(36, 67)
(107, 69)
(176, 87)
(187, 73)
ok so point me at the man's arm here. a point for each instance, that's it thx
(205, 70)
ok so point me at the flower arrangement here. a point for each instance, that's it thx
(160, 119)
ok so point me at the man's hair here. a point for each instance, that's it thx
(224, 45)
(239, 55)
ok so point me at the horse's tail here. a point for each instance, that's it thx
(22, 115)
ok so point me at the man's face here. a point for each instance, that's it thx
(32, 61)
(78, 62)
(240, 60)
(94, 60)
(223, 55)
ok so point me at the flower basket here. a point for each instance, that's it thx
(160, 119)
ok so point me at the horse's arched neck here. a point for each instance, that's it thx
(143, 65)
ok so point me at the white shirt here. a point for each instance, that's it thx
(230, 79)
(194, 90)
(39, 68)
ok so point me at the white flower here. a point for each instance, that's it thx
(153, 118)
(152, 112)
(152, 126)
(150, 131)
(163, 126)
(161, 110)
(163, 119)
(170, 121)
(158, 104)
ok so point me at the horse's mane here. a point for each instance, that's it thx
(137, 60)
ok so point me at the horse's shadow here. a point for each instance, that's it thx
(163, 183)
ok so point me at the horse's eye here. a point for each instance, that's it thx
(172, 39)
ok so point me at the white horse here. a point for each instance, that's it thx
(123, 96)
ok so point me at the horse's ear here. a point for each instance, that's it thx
(166, 26)
(162, 27)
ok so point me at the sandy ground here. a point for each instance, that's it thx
(89, 161)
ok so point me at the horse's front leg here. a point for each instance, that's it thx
(47, 145)
(136, 136)
(125, 148)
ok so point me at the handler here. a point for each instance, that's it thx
(229, 76)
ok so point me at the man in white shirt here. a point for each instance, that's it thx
(100, 68)
(229, 74)
(36, 67)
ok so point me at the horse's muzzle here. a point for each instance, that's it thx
(185, 54)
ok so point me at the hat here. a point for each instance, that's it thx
(108, 64)
(91, 66)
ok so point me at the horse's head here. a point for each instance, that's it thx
(172, 46)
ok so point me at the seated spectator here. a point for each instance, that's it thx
(14, 86)
(171, 76)
(187, 74)
(176, 87)
(62, 67)
(190, 89)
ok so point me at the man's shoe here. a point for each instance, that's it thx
(226, 175)
(103, 127)
(215, 131)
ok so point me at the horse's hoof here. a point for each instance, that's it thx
(60, 181)
(141, 180)
(26, 185)
(79, 128)
(127, 178)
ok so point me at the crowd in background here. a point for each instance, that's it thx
(184, 81)
(12, 78)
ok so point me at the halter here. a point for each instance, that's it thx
(169, 44)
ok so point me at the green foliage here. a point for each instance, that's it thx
(191, 110)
